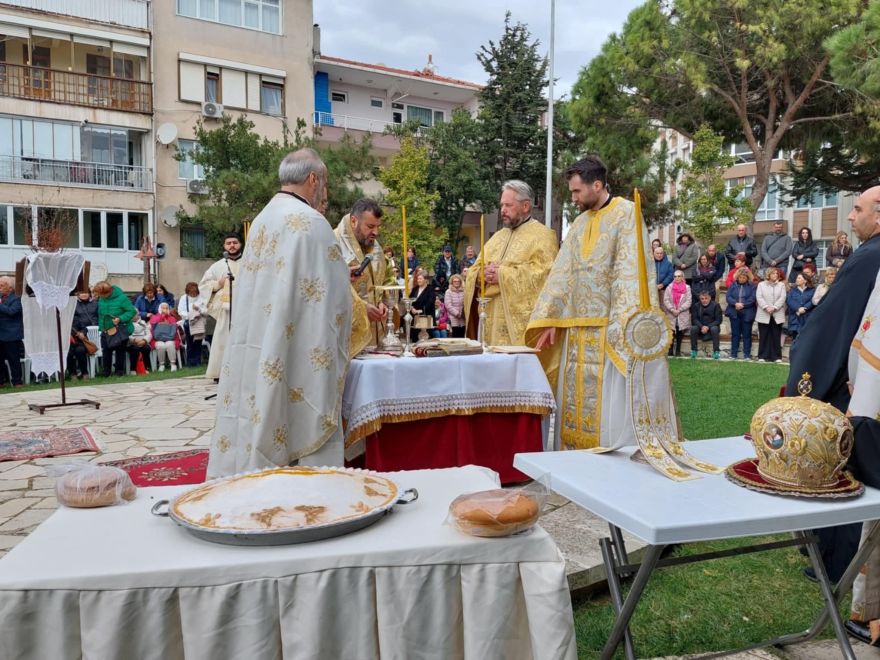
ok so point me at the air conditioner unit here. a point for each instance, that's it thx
(196, 187)
(212, 110)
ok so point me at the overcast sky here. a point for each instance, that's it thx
(402, 33)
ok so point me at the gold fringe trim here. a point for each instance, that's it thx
(373, 426)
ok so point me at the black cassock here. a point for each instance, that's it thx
(822, 349)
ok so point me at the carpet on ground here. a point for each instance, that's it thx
(178, 468)
(40, 443)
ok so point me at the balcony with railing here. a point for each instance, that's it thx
(130, 13)
(129, 178)
(89, 90)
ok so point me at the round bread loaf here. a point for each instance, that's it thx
(495, 512)
(94, 486)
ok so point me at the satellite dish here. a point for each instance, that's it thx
(166, 133)
(168, 216)
(97, 272)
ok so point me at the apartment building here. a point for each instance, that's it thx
(76, 104)
(358, 98)
(824, 214)
(215, 57)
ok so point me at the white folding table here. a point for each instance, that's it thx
(631, 495)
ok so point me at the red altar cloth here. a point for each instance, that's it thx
(487, 439)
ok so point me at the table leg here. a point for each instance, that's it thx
(612, 561)
(619, 545)
(649, 561)
(842, 587)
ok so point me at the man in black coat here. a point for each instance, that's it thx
(822, 350)
(706, 323)
(741, 243)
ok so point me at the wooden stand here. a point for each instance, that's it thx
(81, 285)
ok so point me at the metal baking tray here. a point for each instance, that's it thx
(306, 534)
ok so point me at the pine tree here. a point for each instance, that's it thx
(511, 106)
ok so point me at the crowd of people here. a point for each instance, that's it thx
(777, 287)
(131, 332)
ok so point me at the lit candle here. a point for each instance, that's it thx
(482, 255)
(405, 256)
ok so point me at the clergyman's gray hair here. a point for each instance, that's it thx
(297, 165)
(523, 190)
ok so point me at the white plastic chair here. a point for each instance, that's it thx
(94, 336)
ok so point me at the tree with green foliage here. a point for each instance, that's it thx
(457, 173)
(704, 203)
(406, 180)
(241, 174)
(511, 106)
(754, 71)
(845, 154)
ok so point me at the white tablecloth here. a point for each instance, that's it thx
(120, 583)
(388, 390)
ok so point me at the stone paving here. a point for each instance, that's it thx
(157, 417)
(135, 419)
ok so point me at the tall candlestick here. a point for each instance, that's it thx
(405, 256)
(482, 255)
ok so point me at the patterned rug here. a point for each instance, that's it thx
(175, 469)
(39, 443)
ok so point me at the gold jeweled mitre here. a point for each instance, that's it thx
(801, 442)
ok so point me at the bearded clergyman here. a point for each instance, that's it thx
(280, 394)
(217, 287)
(517, 261)
(357, 233)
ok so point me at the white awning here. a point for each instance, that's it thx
(129, 49)
(91, 41)
(14, 30)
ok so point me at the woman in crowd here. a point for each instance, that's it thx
(770, 316)
(742, 306)
(656, 243)
(423, 300)
(163, 295)
(686, 254)
(704, 279)
(677, 301)
(147, 303)
(114, 311)
(85, 314)
(165, 339)
(454, 301)
(139, 345)
(738, 262)
(412, 261)
(804, 252)
(388, 251)
(822, 289)
(800, 304)
(839, 251)
(192, 310)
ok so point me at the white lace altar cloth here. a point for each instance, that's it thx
(52, 276)
(404, 389)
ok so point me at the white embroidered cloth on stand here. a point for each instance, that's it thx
(51, 276)
(389, 390)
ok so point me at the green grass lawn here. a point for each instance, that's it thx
(112, 380)
(724, 603)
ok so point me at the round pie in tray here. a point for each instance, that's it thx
(290, 502)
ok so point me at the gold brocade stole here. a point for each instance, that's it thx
(582, 388)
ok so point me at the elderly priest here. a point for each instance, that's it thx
(281, 383)
(517, 261)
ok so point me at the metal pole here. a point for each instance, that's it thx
(548, 193)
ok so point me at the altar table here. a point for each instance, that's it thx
(410, 413)
(633, 496)
(120, 583)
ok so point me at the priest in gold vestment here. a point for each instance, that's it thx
(356, 233)
(579, 320)
(518, 259)
(280, 394)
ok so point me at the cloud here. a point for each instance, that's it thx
(403, 33)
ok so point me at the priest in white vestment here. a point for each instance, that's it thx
(218, 289)
(280, 393)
